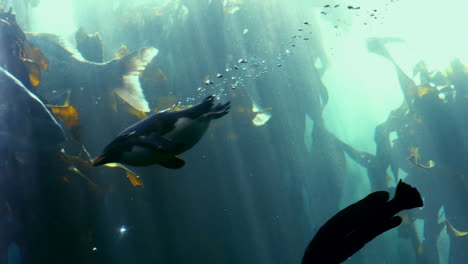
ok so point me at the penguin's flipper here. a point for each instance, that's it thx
(173, 163)
(158, 143)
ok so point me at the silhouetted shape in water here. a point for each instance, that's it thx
(28, 132)
(95, 88)
(18, 56)
(26, 122)
(89, 45)
(377, 46)
(68, 68)
(351, 228)
(163, 135)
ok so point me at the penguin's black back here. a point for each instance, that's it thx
(163, 122)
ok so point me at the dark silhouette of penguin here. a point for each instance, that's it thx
(351, 228)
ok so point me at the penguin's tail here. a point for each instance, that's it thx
(219, 110)
(407, 197)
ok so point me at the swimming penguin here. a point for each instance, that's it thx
(160, 137)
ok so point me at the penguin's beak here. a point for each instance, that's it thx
(99, 160)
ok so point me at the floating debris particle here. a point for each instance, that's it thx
(208, 82)
(94, 248)
(255, 64)
(219, 75)
(242, 61)
(123, 230)
(245, 31)
(235, 67)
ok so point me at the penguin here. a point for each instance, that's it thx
(160, 137)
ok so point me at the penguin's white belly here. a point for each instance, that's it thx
(188, 131)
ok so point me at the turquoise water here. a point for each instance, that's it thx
(321, 116)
